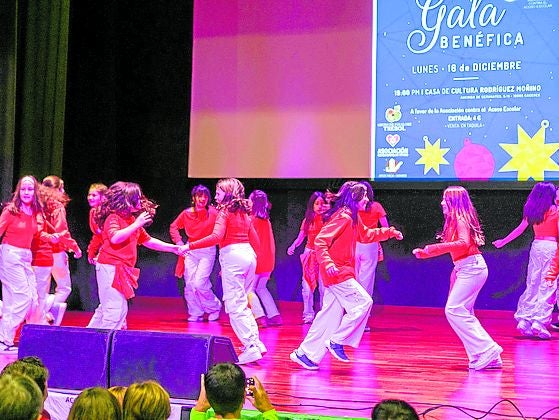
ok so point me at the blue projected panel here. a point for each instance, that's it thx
(465, 90)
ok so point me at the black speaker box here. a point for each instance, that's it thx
(175, 360)
(76, 358)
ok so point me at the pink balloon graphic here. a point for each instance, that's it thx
(474, 162)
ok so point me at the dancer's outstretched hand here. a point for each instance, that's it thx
(398, 235)
(499, 243)
(183, 250)
(420, 253)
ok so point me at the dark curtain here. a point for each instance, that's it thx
(41, 86)
(8, 28)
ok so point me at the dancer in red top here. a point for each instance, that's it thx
(123, 216)
(310, 226)
(197, 222)
(367, 253)
(95, 197)
(52, 306)
(535, 306)
(261, 301)
(55, 210)
(461, 237)
(21, 220)
(343, 316)
(237, 241)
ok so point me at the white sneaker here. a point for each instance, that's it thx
(260, 346)
(57, 311)
(194, 318)
(524, 327)
(487, 358)
(214, 316)
(540, 331)
(250, 355)
(494, 364)
(7, 349)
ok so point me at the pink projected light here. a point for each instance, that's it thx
(281, 90)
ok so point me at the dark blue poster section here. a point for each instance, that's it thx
(465, 90)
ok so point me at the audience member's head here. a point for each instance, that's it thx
(146, 401)
(33, 367)
(95, 403)
(118, 392)
(20, 397)
(394, 410)
(225, 385)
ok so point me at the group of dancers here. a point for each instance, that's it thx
(343, 231)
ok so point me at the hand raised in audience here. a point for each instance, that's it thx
(202, 404)
(259, 397)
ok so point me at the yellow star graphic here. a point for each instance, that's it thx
(432, 156)
(531, 156)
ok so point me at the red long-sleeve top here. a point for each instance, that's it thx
(371, 217)
(548, 227)
(126, 252)
(42, 249)
(461, 244)
(96, 239)
(196, 224)
(314, 228)
(335, 245)
(56, 216)
(230, 228)
(19, 229)
(266, 253)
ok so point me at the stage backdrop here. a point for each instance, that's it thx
(127, 117)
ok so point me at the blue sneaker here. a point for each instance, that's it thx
(337, 350)
(303, 360)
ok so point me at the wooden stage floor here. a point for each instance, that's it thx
(411, 354)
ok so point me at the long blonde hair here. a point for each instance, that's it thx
(146, 400)
(460, 206)
(234, 199)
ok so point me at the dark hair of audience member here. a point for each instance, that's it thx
(225, 388)
(146, 400)
(20, 397)
(394, 410)
(95, 403)
(33, 367)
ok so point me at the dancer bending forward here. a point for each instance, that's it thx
(346, 305)
(461, 237)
